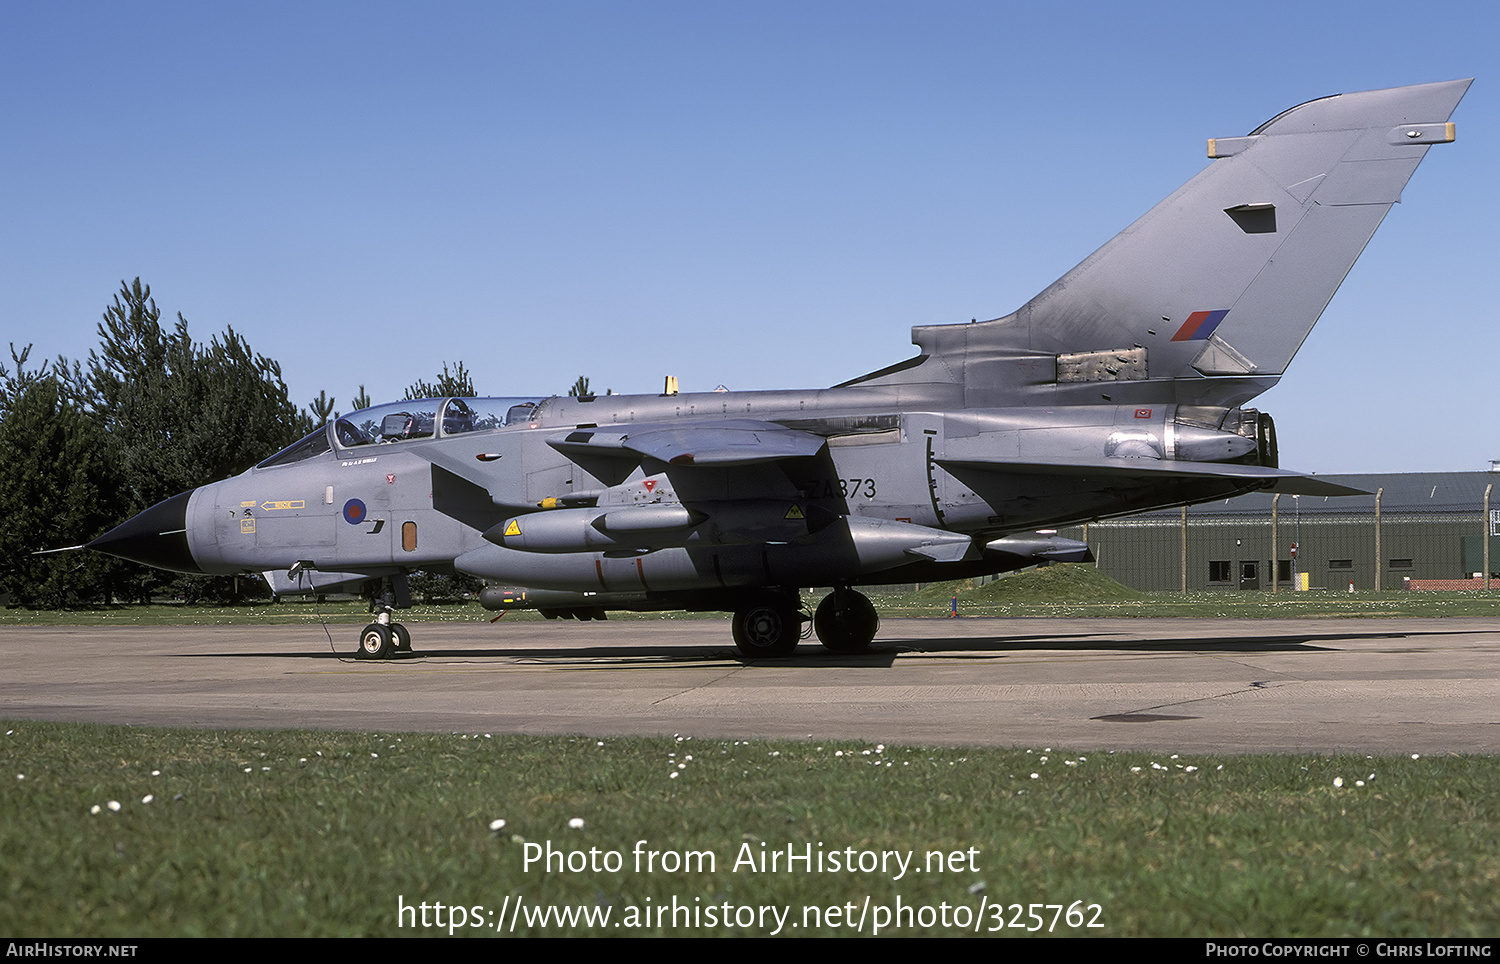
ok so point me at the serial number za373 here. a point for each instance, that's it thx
(1027, 917)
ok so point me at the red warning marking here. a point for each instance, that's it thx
(650, 484)
(1143, 413)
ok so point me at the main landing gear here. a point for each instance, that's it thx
(846, 622)
(771, 626)
(384, 638)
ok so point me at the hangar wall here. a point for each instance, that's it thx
(1431, 526)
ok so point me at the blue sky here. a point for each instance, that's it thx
(763, 195)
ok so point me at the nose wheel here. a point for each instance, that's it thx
(382, 641)
(385, 638)
(375, 642)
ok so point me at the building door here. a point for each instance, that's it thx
(1250, 575)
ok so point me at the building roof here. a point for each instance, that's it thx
(1404, 493)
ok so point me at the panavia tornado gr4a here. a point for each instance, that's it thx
(1120, 388)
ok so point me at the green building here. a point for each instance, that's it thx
(1419, 526)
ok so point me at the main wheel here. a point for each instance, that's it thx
(767, 629)
(401, 638)
(846, 621)
(374, 642)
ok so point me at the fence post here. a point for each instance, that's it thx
(1275, 548)
(1184, 548)
(1487, 534)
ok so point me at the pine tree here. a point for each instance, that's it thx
(322, 408)
(180, 414)
(458, 382)
(56, 488)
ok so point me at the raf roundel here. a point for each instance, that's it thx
(354, 512)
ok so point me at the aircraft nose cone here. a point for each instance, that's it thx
(156, 537)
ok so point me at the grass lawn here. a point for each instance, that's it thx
(124, 831)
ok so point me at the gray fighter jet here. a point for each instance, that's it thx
(1120, 388)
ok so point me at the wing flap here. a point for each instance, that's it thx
(1148, 470)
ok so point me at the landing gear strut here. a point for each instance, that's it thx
(384, 638)
(769, 627)
(846, 621)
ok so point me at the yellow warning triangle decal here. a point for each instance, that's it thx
(795, 512)
(514, 529)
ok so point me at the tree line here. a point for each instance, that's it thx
(86, 444)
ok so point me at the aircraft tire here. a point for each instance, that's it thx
(766, 630)
(374, 642)
(846, 622)
(400, 638)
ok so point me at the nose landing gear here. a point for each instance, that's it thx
(384, 638)
(375, 642)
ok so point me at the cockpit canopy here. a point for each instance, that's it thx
(404, 421)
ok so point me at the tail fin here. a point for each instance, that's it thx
(1226, 276)
(1229, 274)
